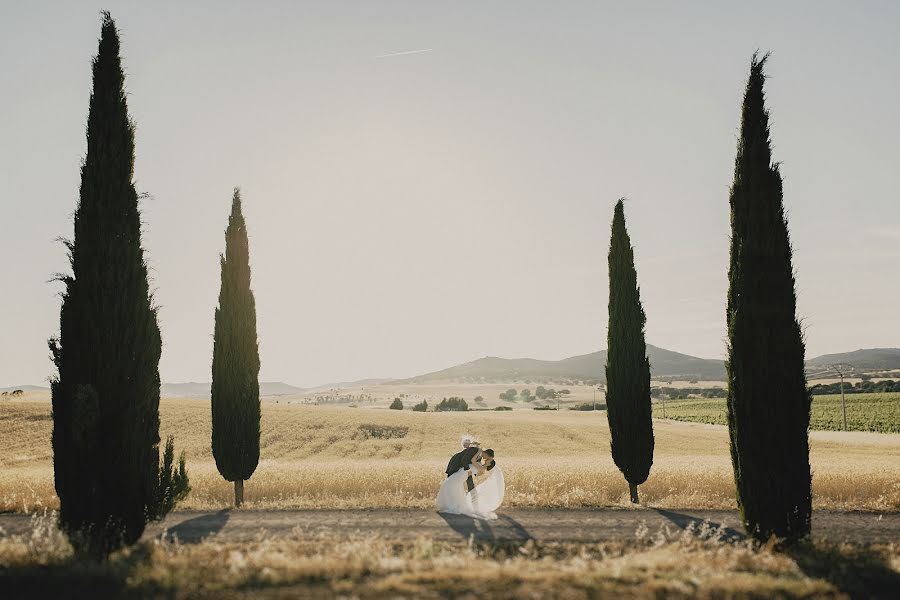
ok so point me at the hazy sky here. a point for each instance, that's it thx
(415, 211)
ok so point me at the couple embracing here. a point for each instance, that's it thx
(461, 494)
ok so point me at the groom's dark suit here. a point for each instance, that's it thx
(463, 460)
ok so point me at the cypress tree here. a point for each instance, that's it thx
(627, 366)
(106, 390)
(768, 402)
(235, 366)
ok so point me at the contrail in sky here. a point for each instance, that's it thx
(405, 52)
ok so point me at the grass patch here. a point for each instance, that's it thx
(697, 562)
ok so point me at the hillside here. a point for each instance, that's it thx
(870, 359)
(663, 363)
(194, 389)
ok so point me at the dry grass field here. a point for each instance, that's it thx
(318, 456)
(681, 564)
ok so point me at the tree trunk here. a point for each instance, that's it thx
(238, 493)
(634, 494)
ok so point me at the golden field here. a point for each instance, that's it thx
(681, 564)
(318, 456)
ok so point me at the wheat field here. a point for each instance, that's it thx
(315, 456)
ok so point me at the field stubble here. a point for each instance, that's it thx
(695, 563)
(356, 458)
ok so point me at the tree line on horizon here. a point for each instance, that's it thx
(108, 473)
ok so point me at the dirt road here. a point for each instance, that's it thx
(581, 525)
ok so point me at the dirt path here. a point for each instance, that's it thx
(582, 525)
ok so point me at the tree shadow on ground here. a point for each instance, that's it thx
(504, 532)
(194, 531)
(859, 572)
(683, 521)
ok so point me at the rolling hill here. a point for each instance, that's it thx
(663, 363)
(870, 359)
(194, 389)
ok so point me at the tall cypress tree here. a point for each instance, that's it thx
(768, 401)
(106, 391)
(627, 367)
(235, 367)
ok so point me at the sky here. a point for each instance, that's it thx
(413, 210)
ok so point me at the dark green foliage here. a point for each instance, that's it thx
(106, 390)
(235, 366)
(397, 404)
(860, 387)
(768, 403)
(502, 408)
(454, 403)
(421, 406)
(509, 395)
(172, 486)
(589, 406)
(627, 368)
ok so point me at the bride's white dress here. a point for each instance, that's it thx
(480, 503)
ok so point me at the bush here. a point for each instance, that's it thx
(397, 404)
(545, 407)
(589, 406)
(509, 395)
(479, 400)
(451, 404)
(421, 406)
(503, 408)
(171, 486)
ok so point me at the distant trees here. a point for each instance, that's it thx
(861, 387)
(526, 395)
(768, 403)
(235, 364)
(451, 404)
(627, 368)
(479, 400)
(397, 404)
(509, 395)
(421, 406)
(105, 393)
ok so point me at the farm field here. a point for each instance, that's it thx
(865, 412)
(644, 563)
(340, 457)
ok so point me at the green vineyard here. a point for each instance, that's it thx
(865, 412)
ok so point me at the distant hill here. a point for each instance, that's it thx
(870, 359)
(27, 388)
(663, 363)
(194, 389)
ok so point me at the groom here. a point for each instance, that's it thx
(463, 460)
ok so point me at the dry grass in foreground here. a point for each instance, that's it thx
(696, 563)
(357, 458)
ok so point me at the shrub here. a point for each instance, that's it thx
(397, 404)
(452, 404)
(421, 406)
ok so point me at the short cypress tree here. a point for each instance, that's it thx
(627, 366)
(235, 366)
(106, 390)
(768, 402)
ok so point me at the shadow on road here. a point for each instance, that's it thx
(504, 529)
(193, 531)
(683, 521)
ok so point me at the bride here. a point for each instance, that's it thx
(484, 499)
